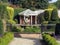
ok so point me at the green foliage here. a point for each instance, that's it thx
(4, 0)
(54, 16)
(3, 11)
(46, 16)
(52, 6)
(11, 22)
(6, 38)
(10, 12)
(10, 15)
(27, 29)
(33, 29)
(18, 10)
(16, 29)
(57, 4)
(1, 27)
(40, 18)
(49, 40)
(39, 4)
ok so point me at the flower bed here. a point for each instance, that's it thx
(4, 40)
(49, 40)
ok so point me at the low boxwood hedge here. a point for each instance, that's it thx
(27, 29)
(49, 40)
(4, 40)
(33, 29)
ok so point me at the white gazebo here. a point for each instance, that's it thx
(29, 16)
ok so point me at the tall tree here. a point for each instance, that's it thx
(42, 4)
(2, 11)
(57, 4)
(31, 3)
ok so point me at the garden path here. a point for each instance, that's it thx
(58, 42)
(25, 41)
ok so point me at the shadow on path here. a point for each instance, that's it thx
(19, 40)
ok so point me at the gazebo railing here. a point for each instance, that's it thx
(44, 27)
(34, 24)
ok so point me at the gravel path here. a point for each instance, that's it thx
(25, 41)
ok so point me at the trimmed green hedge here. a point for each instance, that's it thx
(6, 38)
(49, 40)
(33, 29)
(27, 29)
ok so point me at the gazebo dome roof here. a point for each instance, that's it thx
(29, 12)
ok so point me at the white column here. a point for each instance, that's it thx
(24, 19)
(31, 20)
(35, 19)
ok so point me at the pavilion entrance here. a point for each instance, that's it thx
(31, 20)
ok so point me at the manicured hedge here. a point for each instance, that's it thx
(27, 29)
(49, 40)
(6, 38)
(33, 29)
(47, 14)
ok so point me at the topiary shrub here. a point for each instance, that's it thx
(10, 15)
(54, 15)
(54, 19)
(49, 40)
(46, 15)
(10, 12)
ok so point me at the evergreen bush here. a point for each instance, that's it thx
(49, 40)
(54, 15)
(10, 15)
(33, 29)
(46, 15)
(6, 38)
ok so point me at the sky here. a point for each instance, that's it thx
(52, 1)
